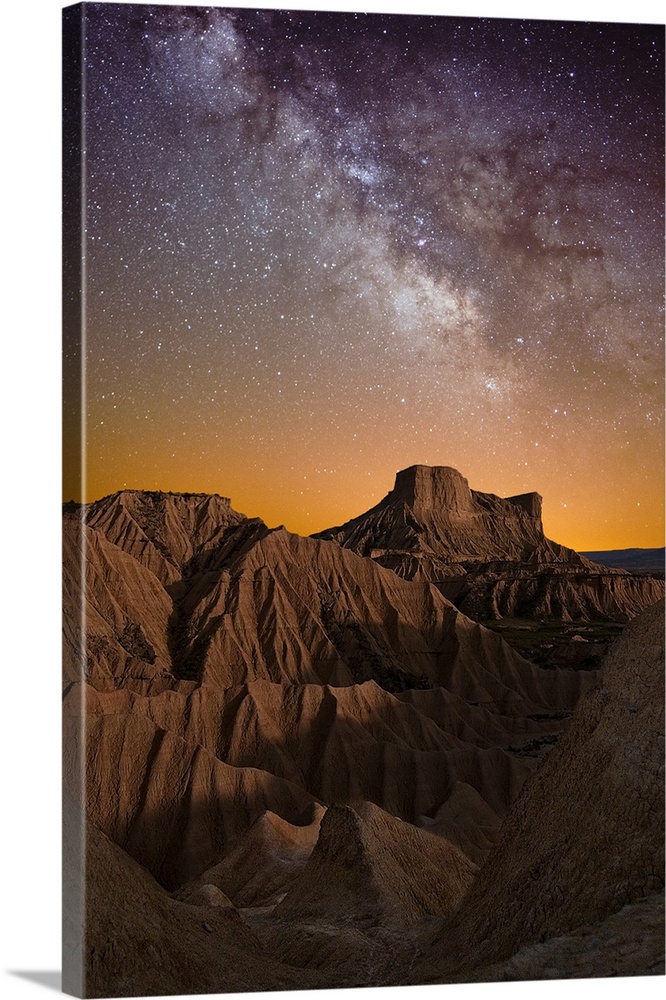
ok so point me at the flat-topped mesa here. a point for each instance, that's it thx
(131, 498)
(432, 512)
(487, 554)
(459, 524)
(427, 488)
(442, 490)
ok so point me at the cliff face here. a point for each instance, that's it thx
(432, 514)
(487, 554)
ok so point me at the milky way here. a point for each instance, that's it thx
(322, 247)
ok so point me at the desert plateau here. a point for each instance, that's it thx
(425, 746)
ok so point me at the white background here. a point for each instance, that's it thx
(30, 483)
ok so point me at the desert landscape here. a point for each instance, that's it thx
(373, 279)
(303, 765)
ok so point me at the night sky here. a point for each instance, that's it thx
(323, 247)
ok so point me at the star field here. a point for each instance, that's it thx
(322, 247)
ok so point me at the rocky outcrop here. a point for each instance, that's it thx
(628, 943)
(551, 592)
(173, 806)
(178, 779)
(370, 868)
(487, 554)
(265, 605)
(231, 672)
(585, 840)
(136, 555)
(141, 942)
(432, 514)
(263, 864)
(169, 533)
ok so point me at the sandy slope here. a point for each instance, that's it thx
(586, 837)
(369, 867)
(140, 942)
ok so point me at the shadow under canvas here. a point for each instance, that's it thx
(50, 979)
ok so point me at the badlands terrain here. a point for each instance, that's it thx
(424, 746)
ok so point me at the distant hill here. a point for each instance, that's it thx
(636, 560)
(488, 554)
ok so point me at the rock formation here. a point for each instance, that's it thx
(232, 671)
(266, 724)
(487, 554)
(583, 844)
(140, 942)
(369, 868)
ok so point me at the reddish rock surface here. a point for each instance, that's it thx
(287, 750)
(487, 554)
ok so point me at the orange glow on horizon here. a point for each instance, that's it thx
(291, 298)
(307, 498)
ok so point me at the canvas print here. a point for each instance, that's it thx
(363, 520)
